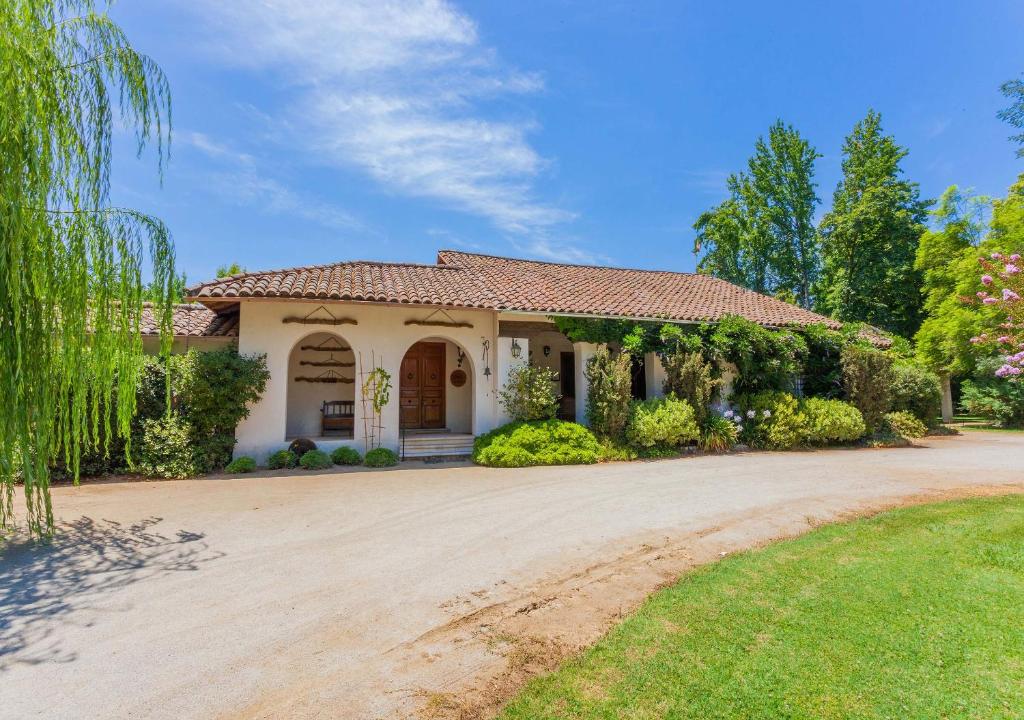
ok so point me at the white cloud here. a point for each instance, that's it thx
(398, 89)
(240, 182)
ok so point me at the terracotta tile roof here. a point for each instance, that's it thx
(462, 279)
(593, 290)
(192, 320)
(357, 280)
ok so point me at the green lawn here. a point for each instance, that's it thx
(916, 613)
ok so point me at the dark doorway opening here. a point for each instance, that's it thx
(638, 384)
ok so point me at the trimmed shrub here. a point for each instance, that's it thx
(282, 459)
(243, 464)
(609, 383)
(867, 379)
(529, 393)
(766, 359)
(381, 457)
(718, 434)
(545, 442)
(771, 420)
(917, 391)
(345, 455)
(167, 449)
(903, 425)
(998, 400)
(315, 460)
(831, 421)
(301, 446)
(689, 377)
(661, 423)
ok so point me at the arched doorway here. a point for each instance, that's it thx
(321, 378)
(435, 387)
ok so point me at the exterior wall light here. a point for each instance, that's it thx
(547, 350)
(516, 350)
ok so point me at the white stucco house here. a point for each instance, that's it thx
(447, 333)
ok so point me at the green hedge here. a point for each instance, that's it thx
(243, 464)
(663, 423)
(381, 457)
(345, 455)
(315, 460)
(831, 421)
(282, 459)
(543, 442)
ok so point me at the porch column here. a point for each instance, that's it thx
(506, 362)
(947, 399)
(582, 352)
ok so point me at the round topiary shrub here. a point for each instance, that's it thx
(381, 457)
(282, 459)
(243, 464)
(831, 421)
(301, 446)
(346, 456)
(661, 423)
(315, 460)
(903, 425)
(541, 442)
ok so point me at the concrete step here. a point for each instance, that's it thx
(440, 444)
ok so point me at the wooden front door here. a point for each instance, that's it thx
(422, 386)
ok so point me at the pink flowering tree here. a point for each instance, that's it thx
(1004, 283)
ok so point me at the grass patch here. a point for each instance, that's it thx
(914, 613)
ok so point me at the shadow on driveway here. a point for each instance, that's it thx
(43, 580)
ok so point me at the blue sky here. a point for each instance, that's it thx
(310, 132)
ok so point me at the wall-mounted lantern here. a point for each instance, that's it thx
(516, 350)
(547, 350)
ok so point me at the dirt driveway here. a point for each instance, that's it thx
(419, 591)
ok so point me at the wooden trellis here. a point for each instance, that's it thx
(376, 390)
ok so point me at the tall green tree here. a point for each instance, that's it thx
(763, 235)
(1014, 113)
(869, 239)
(228, 270)
(947, 260)
(70, 263)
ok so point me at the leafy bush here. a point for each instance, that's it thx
(689, 377)
(243, 464)
(718, 434)
(609, 384)
(282, 459)
(167, 448)
(766, 359)
(612, 451)
(545, 442)
(829, 421)
(903, 425)
(998, 400)
(868, 378)
(661, 423)
(315, 460)
(771, 420)
(917, 391)
(529, 393)
(823, 369)
(345, 455)
(381, 457)
(301, 446)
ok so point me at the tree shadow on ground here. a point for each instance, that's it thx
(43, 581)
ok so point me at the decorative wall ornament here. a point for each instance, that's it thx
(327, 363)
(460, 355)
(328, 376)
(331, 344)
(486, 356)
(330, 319)
(431, 322)
(458, 378)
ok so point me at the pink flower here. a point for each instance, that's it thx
(975, 339)
(1009, 295)
(1003, 339)
(996, 256)
(1012, 269)
(982, 294)
(990, 301)
(986, 279)
(1014, 258)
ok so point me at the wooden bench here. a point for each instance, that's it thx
(337, 418)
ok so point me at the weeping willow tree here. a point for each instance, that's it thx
(70, 263)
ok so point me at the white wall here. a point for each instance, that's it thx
(654, 376)
(381, 329)
(182, 344)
